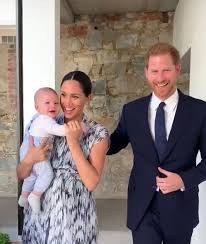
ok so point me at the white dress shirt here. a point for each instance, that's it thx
(170, 110)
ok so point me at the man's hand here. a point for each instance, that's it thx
(170, 183)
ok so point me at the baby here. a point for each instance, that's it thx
(42, 125)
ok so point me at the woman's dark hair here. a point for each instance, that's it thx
(83, 80)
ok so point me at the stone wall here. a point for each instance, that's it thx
(8, 137)
(111, 48)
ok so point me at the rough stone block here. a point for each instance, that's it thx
(126, 41)
(117, 69)
(71, 44)
(94, 40)
(8, 183)
(99, 87)
(84, 63)
(107, 56)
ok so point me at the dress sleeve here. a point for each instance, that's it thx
(100, 133)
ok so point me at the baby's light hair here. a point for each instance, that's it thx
(43, 89)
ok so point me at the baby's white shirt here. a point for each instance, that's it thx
(44, 126)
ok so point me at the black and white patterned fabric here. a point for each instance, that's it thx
(68, 214)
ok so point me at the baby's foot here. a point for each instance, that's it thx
(34, 202)
(23, 202)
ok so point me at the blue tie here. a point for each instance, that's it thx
(160, 131)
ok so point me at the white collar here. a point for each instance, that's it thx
(170, 102)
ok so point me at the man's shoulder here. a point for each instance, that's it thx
(138, 102)
(194, 101)
(196, 106)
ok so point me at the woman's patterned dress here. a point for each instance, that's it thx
(68, 214)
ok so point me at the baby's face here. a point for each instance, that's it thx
(47, 103)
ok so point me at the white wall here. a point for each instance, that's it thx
(41, 35)
(7, 12)
(41, 23)
(190, 32)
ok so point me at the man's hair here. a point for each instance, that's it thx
(43, 89)
(162, 48)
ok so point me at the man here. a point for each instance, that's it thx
(165, 139)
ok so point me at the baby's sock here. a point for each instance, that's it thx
(34, 202)
(23, 201)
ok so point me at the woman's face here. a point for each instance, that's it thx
(73, 100)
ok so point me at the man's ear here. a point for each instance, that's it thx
(145, 71)
(178, 68)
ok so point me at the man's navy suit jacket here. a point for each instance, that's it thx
(178, 209)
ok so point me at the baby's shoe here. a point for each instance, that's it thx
(34, 202)
(23, 202)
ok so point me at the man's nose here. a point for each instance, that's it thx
(160, 76)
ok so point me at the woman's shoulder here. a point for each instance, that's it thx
(92, 124)
(95, 128)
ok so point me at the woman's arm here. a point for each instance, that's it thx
(90, 169)
(34, 154)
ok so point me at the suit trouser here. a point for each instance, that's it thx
(150, 230)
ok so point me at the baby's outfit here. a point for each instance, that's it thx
(40, 127)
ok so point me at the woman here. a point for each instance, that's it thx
(68, 213)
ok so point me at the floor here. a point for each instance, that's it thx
(111, 216)
(112, 222)
(114, 237)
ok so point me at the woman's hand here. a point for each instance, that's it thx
(34, 155)
(74, 130)
(89, 167)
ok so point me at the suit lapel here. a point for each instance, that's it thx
(180, 121)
